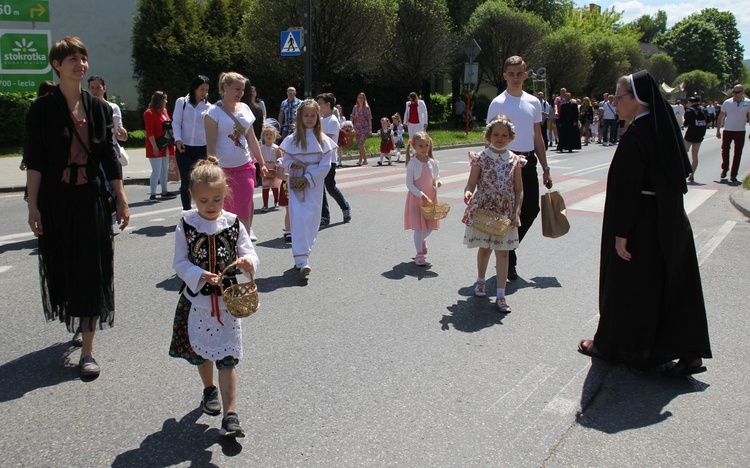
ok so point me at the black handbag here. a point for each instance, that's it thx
(168, 137)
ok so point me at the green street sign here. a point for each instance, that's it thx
(24, 59)
(22, 83)
(24, 10)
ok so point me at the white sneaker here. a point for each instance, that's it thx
(253, 238)
(479, 289)
(502, 306)
(305, 270)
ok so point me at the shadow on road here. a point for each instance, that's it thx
(472, 315)
(30, 244)
(173, 283)
(537, 282)
(178, 442)
(405, 269)
(291, 278)
(617, 398)
(44, 368)
(154, 231)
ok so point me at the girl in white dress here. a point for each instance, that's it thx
(307, 153)
(207, 240)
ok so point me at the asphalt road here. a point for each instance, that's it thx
(374, 361)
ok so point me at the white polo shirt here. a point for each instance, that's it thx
(736, 114)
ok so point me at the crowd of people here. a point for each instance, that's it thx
(71, 153)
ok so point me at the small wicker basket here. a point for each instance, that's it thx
(271, 174)
(436, 210)
(491, 223)
(241, 299)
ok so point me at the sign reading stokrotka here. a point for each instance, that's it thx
(24, 59)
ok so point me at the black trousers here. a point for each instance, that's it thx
(530, 207)
(330, 187)
(185, 163)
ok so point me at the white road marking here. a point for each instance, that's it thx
(572, 184)
(694, 198)
(587, 170)
(707, 249)
(516, 396)
(3, 269)
(594, 204)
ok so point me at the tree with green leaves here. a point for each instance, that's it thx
(649, 26)
(610, 59)
(348, 37)
(662, 68)
(695, 44)
(699, 82)
(553, 12)
(726, 23)
(501, 32)
(567, 59)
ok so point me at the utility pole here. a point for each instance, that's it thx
(308, 49)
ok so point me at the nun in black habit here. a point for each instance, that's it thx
(651, 308)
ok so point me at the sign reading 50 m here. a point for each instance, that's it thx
(24, 51)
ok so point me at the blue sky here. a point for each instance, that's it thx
(676, 11)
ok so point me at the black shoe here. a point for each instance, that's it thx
(325, 222)
(210, 403)
(723, 174)
(735, 180)
(380, 163)
(288, 237)
(512, 275)
(347, 215)
(152, 197)
(168, 195)
(230, 426)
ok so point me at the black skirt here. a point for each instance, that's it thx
(76, 256)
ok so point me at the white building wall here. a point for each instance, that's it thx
(106, 27)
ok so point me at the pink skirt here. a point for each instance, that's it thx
(241, 182)
(413, 218)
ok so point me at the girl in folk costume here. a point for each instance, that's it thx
(207, 240)
(494, 185)
(422, 180)
(271, 154)
(307, 154)
(397, 128)
(386, 140)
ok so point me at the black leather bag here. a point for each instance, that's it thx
(168, 137)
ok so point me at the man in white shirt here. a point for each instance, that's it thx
(679, 112)
(735, 113)
(525, 111)
(545, 116)
(610, 121)
(330, 126)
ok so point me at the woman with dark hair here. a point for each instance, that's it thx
(98, 88)
(651, 308)
(190, 133)
(69, 152)
(154, 118)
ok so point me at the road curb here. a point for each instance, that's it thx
(740, 198)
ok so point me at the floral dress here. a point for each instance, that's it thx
(361, 118)
(495, 192)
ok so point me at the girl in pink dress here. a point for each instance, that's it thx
(495, 185)
(422, 180)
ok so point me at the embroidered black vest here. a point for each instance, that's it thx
(213, 253)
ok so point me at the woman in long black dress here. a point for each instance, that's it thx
(650, 295)
(68, 135)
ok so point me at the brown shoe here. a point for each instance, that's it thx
(89, 367)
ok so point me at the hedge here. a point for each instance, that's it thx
(13, 116)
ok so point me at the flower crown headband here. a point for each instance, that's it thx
(505, 122)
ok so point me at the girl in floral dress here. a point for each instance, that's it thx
(494, 185)
(362, 120)
(207, 240)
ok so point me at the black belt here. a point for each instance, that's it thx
(525, 153)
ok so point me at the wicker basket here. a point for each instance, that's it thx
(271, 174)
(241, 299)
(435, 210)
(491, 223)
(297, 183)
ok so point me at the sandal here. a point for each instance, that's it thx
(681, 369)
(589, 350)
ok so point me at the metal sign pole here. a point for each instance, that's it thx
(308, 49)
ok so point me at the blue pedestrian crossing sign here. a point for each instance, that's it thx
(291, 41)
